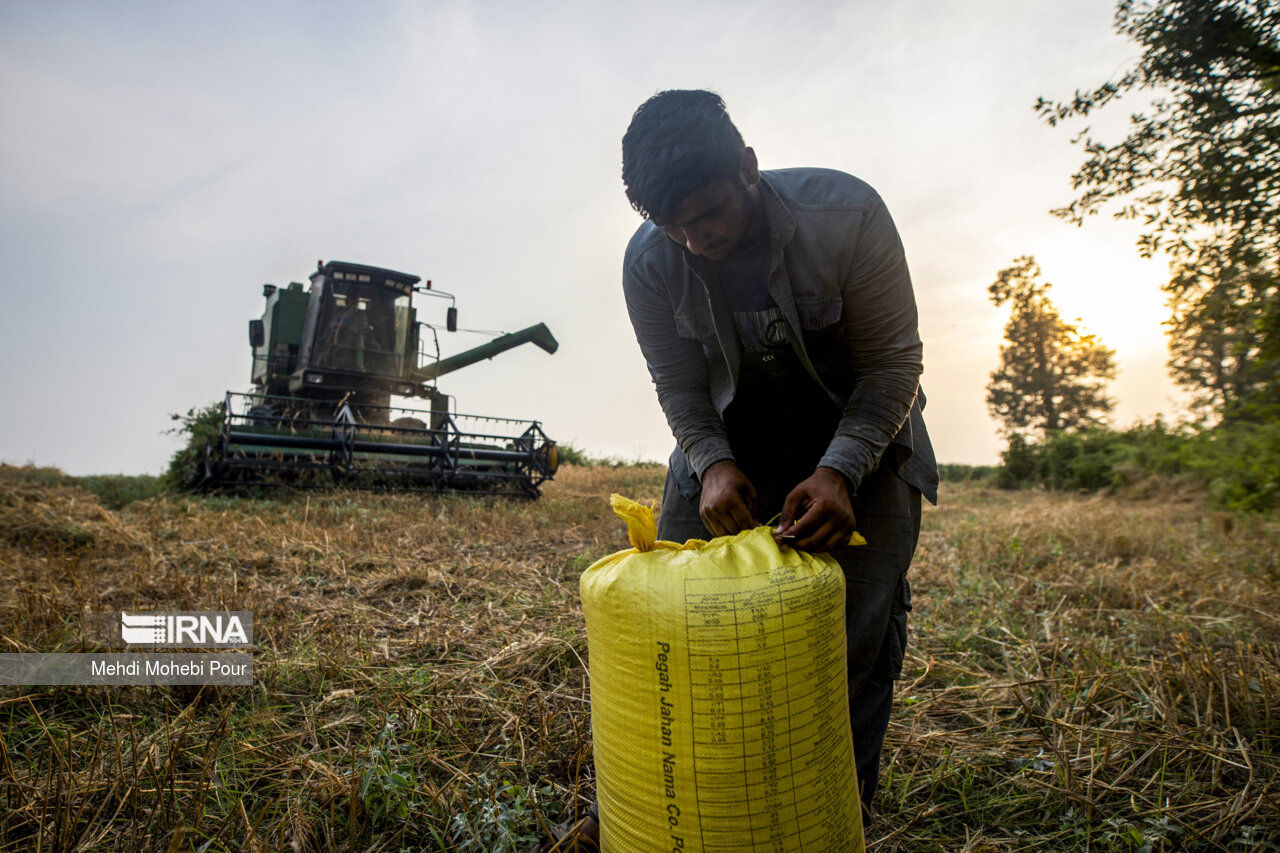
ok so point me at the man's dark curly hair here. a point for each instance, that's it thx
(678, 142)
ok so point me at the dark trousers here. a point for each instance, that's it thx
(877, 594)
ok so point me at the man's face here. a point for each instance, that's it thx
(711, 222)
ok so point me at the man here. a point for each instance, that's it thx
(776, 315)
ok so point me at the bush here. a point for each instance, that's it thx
(949, 472)
(119, 490)
(570, 455)
(203, 428)
(113, 490)
(1239, 462)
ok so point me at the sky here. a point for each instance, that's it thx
(161, 161)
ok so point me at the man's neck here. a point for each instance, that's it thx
(757, 231)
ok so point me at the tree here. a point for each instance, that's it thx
(1200, 169)
(1052, 376)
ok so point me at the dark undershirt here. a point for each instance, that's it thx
(780, 420)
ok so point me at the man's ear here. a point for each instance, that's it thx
(749, 169)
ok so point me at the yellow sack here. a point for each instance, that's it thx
(719, 706)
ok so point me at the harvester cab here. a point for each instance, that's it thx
(329, 358)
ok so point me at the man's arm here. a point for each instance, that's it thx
(885, 355)
(679, 371)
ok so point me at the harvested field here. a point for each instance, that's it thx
(1086, 673)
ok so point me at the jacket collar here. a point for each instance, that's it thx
(782, 225)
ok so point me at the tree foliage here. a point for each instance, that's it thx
(1220, 345)
(1052, 376)
(1207, 151)
(1200, 169)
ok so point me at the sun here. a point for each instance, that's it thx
(1116, 294)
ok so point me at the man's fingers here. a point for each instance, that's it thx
(825, 519)
(709, 516)
(742, 516)
(750, 503)
(812, 518)
(821, 528)
(728, 500)
(712, 519)
(824, 537)
(793, 506)
(728, 517)
(733, 516)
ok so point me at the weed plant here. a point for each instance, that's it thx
(201, 427)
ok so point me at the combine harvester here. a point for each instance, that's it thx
(326, 362)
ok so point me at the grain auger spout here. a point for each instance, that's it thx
(538, 335)
(330, 364)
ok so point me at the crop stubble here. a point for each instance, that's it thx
(1085, 672)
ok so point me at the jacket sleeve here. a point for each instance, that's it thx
(679, 371)
(884, 347)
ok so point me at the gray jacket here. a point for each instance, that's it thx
(840, 278)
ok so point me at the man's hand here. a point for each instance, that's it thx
(818, 514)
(728, 499)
